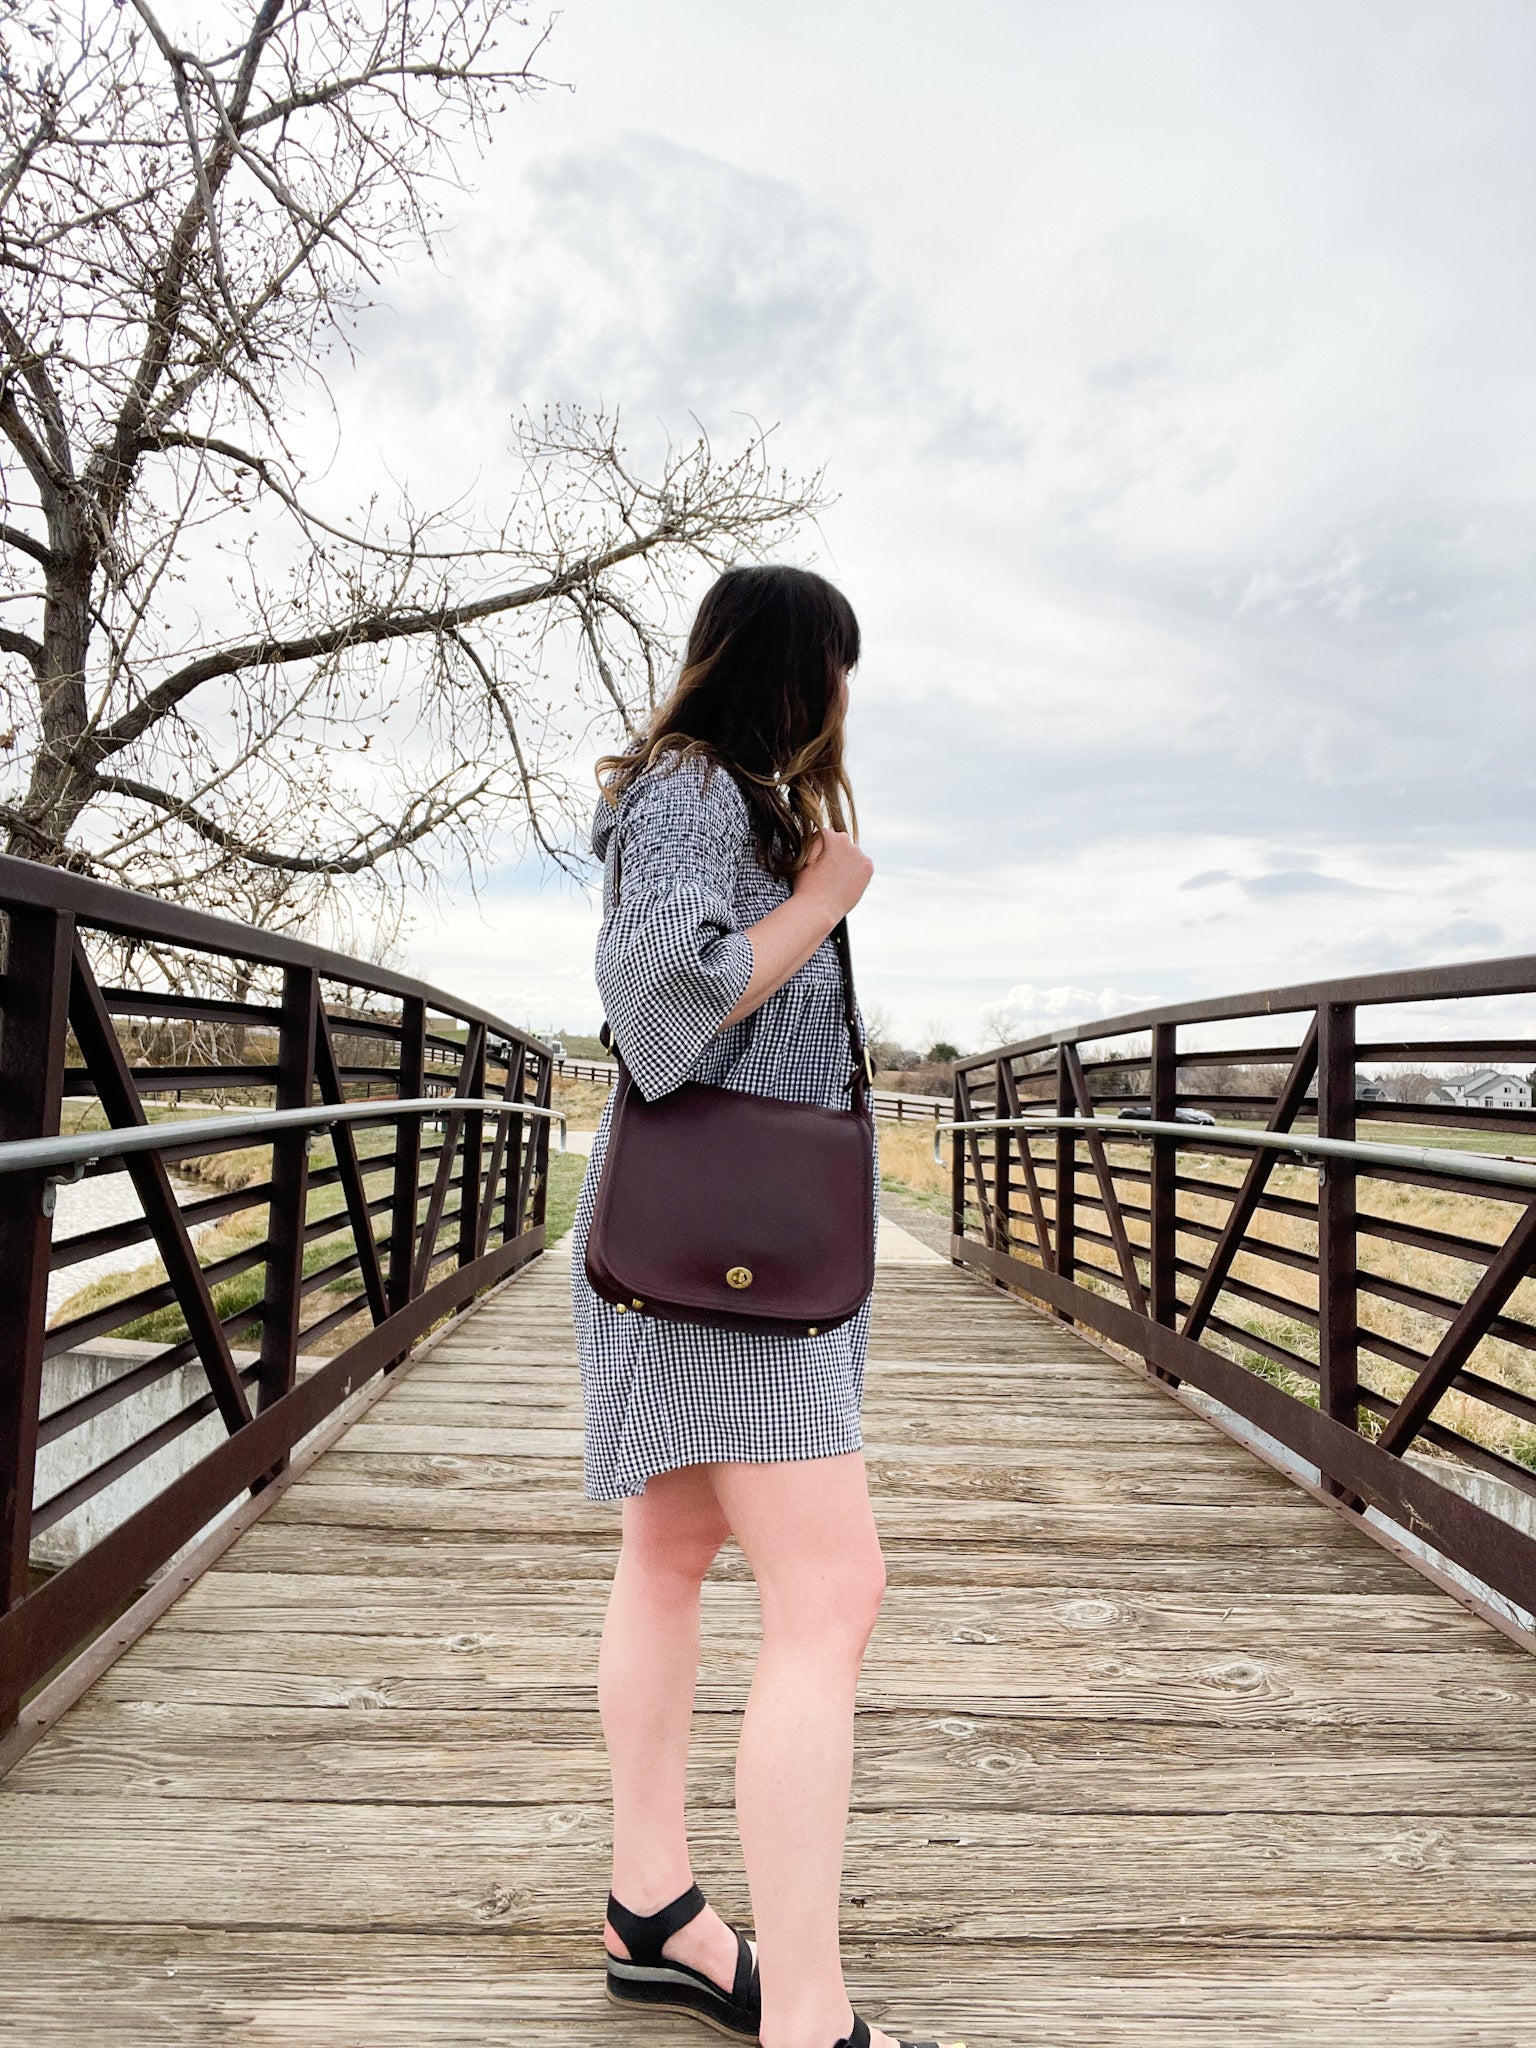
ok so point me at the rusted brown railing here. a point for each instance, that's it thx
(1370, 1311)
(111, 1000)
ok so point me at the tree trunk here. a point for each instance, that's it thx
(63, 770)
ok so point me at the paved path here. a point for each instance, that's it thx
(1155, 1751)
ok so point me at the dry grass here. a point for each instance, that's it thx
(908, 1167)
(1430, 1272)
(580, 1101)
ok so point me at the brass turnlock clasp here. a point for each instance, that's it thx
(739, 1276)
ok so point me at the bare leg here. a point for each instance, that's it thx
(809, 1534)
(646, 1674)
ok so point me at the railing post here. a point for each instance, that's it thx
(1066, 1174)
(287, 1212)
(521, 1163)
(1002, 1179)
(412, 1080)
(957, 1144)
(1163, 1096)
(1338, 1357)
(470, 1193)
(37, 963)
(543, 1097)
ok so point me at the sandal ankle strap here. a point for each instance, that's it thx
(643, 1933)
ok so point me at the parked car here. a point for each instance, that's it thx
(1139, 1113)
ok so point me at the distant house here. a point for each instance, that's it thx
(1486, 1089)
(1367, 1090)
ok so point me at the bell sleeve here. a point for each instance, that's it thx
(672, 961)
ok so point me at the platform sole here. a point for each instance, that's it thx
(692, 2012)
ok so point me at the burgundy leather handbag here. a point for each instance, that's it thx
(738, 1210)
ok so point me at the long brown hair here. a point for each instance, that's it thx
(760, 695)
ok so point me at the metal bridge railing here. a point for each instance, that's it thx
(437, 1118)
(1353, 1299)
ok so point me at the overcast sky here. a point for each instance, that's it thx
(1173, 365)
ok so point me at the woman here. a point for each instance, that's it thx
(728, 862)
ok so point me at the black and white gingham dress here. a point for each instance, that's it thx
(672, 961)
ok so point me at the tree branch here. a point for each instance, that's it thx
(369, 631)
(161, 440)
(442, 74)
(43, 458)
(429, 819)
(12, 642)
(113, 464)
(178, 70)
(19, 822)
(13, 537)
(600, 662)
(498, 697)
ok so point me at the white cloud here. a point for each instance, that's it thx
(1171, 364)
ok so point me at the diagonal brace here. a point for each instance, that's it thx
(1129, 1277)
(109, 1070)
(1246, 1201)
(984, 1201)
(1027, 1161)
(354, 1187)
(1500, 1278)
(452, 1122)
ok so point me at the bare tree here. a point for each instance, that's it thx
(213, 685)
(1415, 1084)
(1002, 1024)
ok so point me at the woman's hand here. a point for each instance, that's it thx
(835, 875)
(824, 890)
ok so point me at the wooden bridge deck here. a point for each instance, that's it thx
(1154, 1748)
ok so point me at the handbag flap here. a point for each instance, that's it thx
(717, 1200)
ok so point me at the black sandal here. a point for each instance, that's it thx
(859, 2038)
(647, 1977)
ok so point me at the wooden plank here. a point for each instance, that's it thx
(471, 1868)
(439, 1607)
(484, 1457)
(358, 1497)
(1301, 1567)
(1291, 1684)
(148, 1987)
(889, 1416)
(952, 1763)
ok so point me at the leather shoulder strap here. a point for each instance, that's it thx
(862, 1079)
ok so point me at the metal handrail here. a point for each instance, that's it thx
(85, 1148)
(1506, 1171)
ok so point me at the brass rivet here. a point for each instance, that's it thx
(619, 1306)
(637, 1303)
(811, 1331)
(739, 1276)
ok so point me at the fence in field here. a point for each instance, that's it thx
(895, 1105)
(1365, 1303)
(435, 1122)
